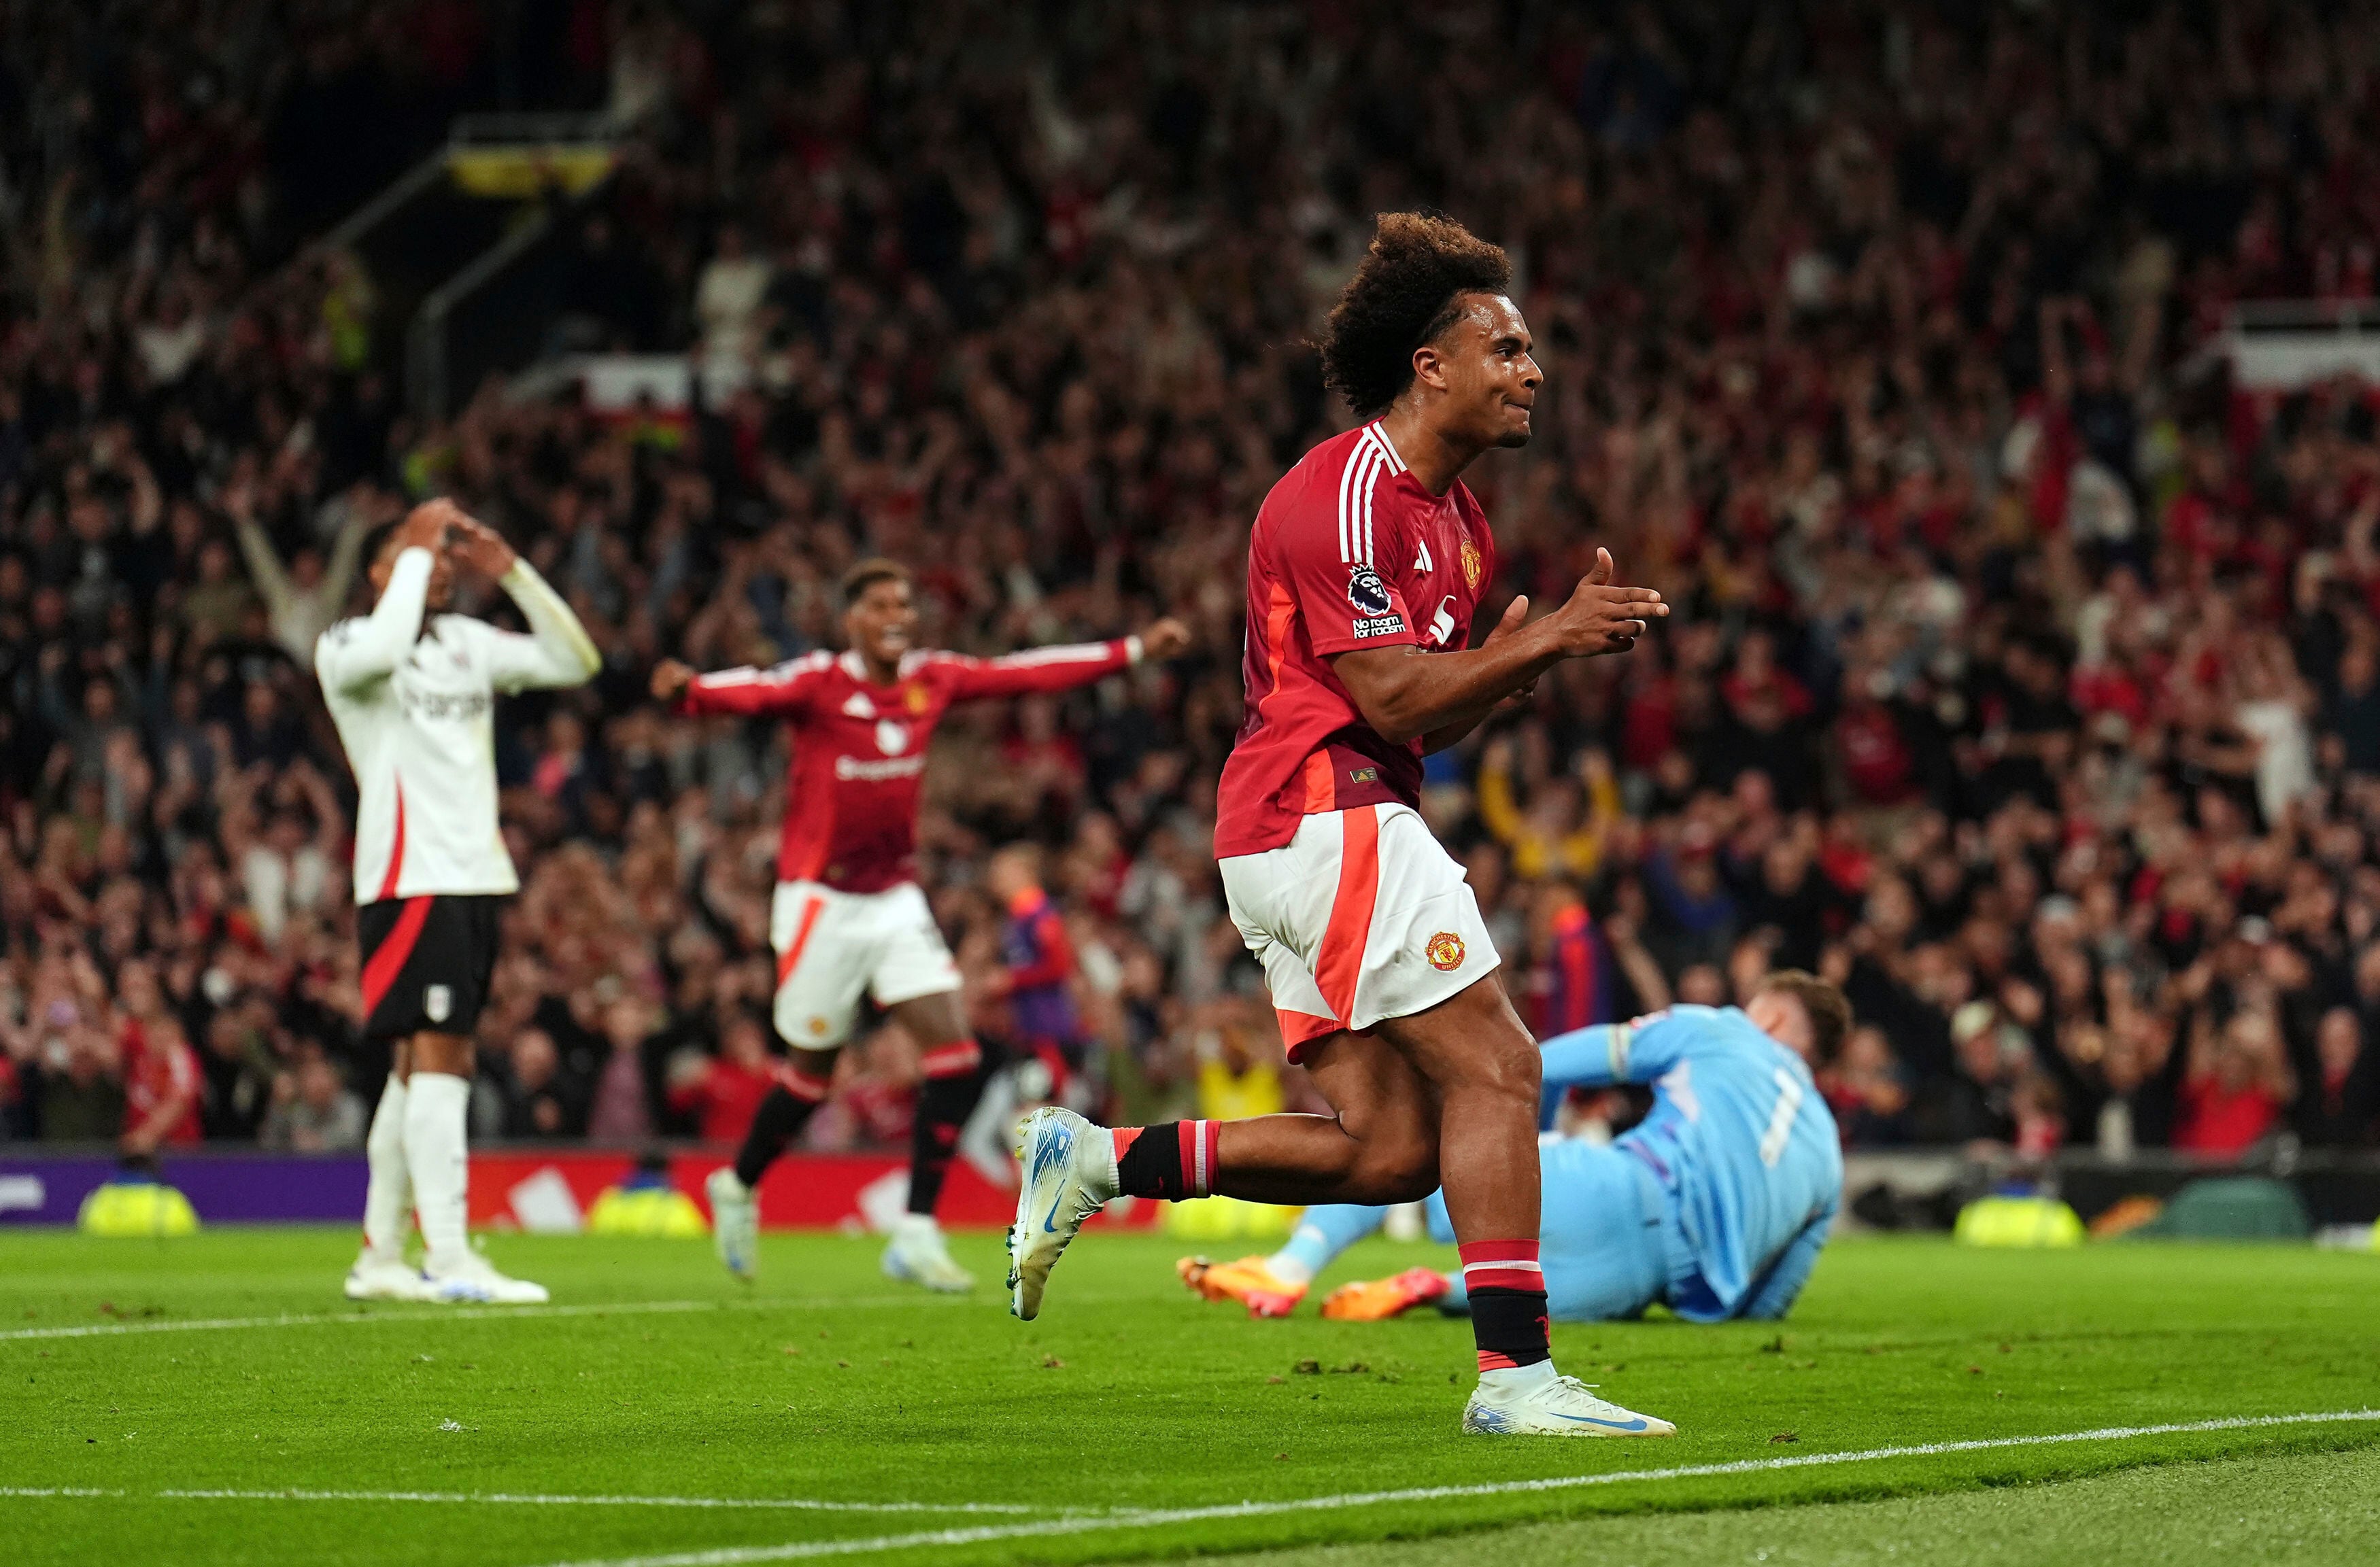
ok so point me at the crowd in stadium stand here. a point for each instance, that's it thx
(2026, 678)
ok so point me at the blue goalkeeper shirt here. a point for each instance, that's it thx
(1740, 1138)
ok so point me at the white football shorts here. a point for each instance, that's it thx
(832, 946)
(1360, 916)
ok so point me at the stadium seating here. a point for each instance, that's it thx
(2027, 678)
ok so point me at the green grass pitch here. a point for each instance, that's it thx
(213, 1401)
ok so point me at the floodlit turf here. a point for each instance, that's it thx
(2310, 1510)
(657, 1382)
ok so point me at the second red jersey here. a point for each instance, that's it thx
(860, 749)
(1349, 551)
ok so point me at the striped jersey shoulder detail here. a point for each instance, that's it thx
(1368, 456)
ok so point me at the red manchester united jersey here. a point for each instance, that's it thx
(860, 749)
(1349, 551)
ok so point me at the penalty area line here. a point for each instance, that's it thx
(737, 1556)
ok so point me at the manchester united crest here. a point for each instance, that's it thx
(916, 699)
(1445, 950)
(1472, 564)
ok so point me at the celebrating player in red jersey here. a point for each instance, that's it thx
(1369, 554)
(849, 917)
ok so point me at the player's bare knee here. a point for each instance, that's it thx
(1401, 1168)
(1502, 1064)
(1515, 1068)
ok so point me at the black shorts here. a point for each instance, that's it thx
(427, 961)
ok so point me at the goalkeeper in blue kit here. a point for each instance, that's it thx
(1716, 1204)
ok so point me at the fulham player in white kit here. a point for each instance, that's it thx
(849, 918)
(413, 693)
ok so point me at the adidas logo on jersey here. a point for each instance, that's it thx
(859, 706)
(1423, 562)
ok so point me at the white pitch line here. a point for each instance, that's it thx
(802, 1504)
(738, 1555)
(470, 1313)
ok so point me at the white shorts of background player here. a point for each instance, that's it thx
(833, 947)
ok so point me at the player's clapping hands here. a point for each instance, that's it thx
(1601, 618)
(1515, 616)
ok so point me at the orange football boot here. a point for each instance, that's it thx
(1375, 1299)
(1248, 1281)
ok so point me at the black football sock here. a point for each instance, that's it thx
(954, 1085)
(1173, 1160)
(1508, 1303)
(781, 1115)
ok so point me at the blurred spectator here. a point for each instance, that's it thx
(304, 597)
(2339, 1104)
(160, 1075)
(620, 1111)
(723, 1093)
(1038, 961)
(313, 1113)
(538, 1100)
(2237, 1085)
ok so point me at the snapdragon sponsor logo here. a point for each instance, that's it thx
(851, 770)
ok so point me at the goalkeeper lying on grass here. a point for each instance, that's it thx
(1716, 1204)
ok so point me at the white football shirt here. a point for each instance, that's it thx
(415, 707)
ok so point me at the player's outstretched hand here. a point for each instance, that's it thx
(481, 548)
(1162, 640)
(1601, 618)
(671, 677)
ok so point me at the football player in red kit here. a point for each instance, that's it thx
(849, 917)
(1365, 567)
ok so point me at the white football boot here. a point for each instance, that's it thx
(475, 1279)
(735, 1222)
(1070, 1171)
(383, 1278)
(1516, 1403)
(917, 1255)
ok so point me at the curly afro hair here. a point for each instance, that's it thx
(1407, 290)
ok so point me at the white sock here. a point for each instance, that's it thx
(388, 1197)
(437, 1104)
(1510, 1381)
(918, 1224)
(1289, 1268)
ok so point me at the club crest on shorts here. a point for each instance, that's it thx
(437, 1003)
(1366, 591)
(818, 1027)
(1471, 563)
(1444, 951)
